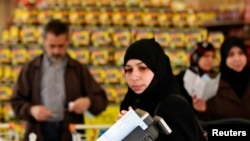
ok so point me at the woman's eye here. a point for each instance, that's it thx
(143, 68)
(241, 53)
(230, 54)
(127, 70)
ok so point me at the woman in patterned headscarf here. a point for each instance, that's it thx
(153, 88)
(201, 62)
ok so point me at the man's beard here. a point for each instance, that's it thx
(57, 59)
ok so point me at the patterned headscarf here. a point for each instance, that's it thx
(200, 49)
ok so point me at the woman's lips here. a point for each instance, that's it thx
(137, 87)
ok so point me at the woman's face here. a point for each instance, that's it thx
(138, 76)
(206, 61)
(236, 59)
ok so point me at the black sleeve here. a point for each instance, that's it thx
(179, 115)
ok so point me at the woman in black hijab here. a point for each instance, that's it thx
(233, 96)
(153, 88)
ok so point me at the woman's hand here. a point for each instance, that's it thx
(199, 104)
(123, 112)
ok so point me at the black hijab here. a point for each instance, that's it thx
(237, 80)
(163, 83)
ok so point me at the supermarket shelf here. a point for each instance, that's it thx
(230, 23)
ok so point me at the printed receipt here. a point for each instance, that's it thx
(123, 127)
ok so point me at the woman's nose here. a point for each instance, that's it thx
(236, 58)
(135, 75)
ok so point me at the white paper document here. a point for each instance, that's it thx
(203, 87)
(123, 127)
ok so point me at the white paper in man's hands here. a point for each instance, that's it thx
(123, 127)
(202, 87)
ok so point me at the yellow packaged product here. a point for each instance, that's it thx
(143, 33)
(193, 36)
(105, 16)
(51, 2)
(5, 39)
(134, 17)
(92, 16)
(165, 18)
(14, 34)
(121, 38)
(98, 74)
(165, 3)
(1, 72)
(118, 57)
(89, 3)
(19, 55)
(216, 38)
(7, 74)
(74, 3)
(100, 37)
(111, 92)
(76, 16)
(33, 51)
(33, 15)
(118, 16)
(104, 3)
(99, 56)
(117, 3)
(108, 117)
(145, 3)
(8, 112)
(121, 91)
(150, 18)
(5, 92)
(44, 16)
(80, 36)
(180, 59)
(61, 3)
(72, 53)
(178, 38)
(163, 38)
(24, 16)
(57, 14)
(112, 75)
(179, 19)
(29, 34)
(5, 55)
(17, 16)
(82, 55)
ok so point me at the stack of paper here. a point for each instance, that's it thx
(123, 127)
(203, 87)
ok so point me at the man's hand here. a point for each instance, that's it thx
(80, 105)
(40, 113)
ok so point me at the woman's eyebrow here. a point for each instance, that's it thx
(139, 63)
